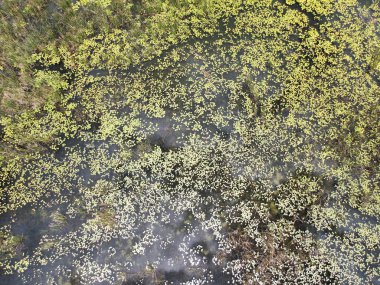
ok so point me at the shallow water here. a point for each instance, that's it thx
(145, 227)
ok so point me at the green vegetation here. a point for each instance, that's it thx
(9, 245)
(190, 141)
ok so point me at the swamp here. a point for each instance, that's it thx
(189, 142)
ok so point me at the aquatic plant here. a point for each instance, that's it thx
(190, 142)
(10, 245)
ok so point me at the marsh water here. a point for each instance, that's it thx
(167, 235)
(189, 254)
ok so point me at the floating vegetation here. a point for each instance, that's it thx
(190, 142)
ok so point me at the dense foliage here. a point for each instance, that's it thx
(190, 142)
